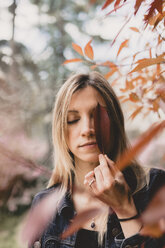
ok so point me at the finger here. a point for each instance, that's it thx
(88, 177)
(118, 175)
(111, 165)
(99, 179)
(106, 172)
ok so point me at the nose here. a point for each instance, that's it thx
(87, 128)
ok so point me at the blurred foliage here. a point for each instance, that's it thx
(9, 229)
(29, 82)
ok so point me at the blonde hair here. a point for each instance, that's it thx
(63, 159)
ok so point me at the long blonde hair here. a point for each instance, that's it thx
(63, 159)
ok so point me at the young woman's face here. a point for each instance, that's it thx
(81, 138)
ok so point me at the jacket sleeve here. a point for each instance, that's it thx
(138, 241)
(142, 199)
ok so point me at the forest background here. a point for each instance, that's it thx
(41, 43)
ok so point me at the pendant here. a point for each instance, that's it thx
(93, 224)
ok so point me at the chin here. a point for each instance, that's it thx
(93, 158)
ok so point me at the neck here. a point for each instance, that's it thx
(81, 169)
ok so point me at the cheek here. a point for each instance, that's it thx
(70, 137)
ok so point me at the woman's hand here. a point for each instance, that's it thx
(107, 183)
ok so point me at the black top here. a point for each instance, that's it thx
(87, 239)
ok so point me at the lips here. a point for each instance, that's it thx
(88, 143)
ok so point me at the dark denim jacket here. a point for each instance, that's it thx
(114, 237)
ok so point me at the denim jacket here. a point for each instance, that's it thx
(114, 237)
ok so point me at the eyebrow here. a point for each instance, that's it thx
(72, 111)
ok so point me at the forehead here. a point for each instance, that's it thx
(86, 97)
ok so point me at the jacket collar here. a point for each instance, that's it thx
(66, 205)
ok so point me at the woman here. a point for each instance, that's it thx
(78, 163)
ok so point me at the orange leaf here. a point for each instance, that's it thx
(107, 3)
(155, 5)
(89, 50)
(137, 5)
(153, 230)
(133, 97)
(94, 67)
(134, 114)
(134, 29)
(150, 53)
(145, 138)
(159, 18)
(117, 4)
(77, 48)
(109, 64)
(148, 62)
(123, 44)
(72, 60)
(110, 73)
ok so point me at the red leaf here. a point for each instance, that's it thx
(77, 48)
(39, 216)
(72, 60)
(153, 217)
(155, 5)
(123, 44)
(107, 3)
(137, 5)
(116, 9)
(89, 50)
(156, 209)
(117, 4)
(102, 129)
(128, 155)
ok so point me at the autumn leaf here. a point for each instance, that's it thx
(156, 208)
(133, 97)
(159, 19)
(39, 217)
(137, 5)
(148, 62)
(102, 129)
(128, 155)
(155, 5)
(72, 61)
(110, 73)
(77, 48)
(107, 3)
(123, 44)
(115, 9)
(134, 29)
(153, 230)
(117, 4)
(137, 111)
(89, 50)
(153, 218)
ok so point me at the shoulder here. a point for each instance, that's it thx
(44, 193)
(156, 179)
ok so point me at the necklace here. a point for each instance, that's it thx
(93, 224)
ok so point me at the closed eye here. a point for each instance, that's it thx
(72, 122)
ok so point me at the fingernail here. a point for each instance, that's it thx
(85, 181)
(100, 156)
